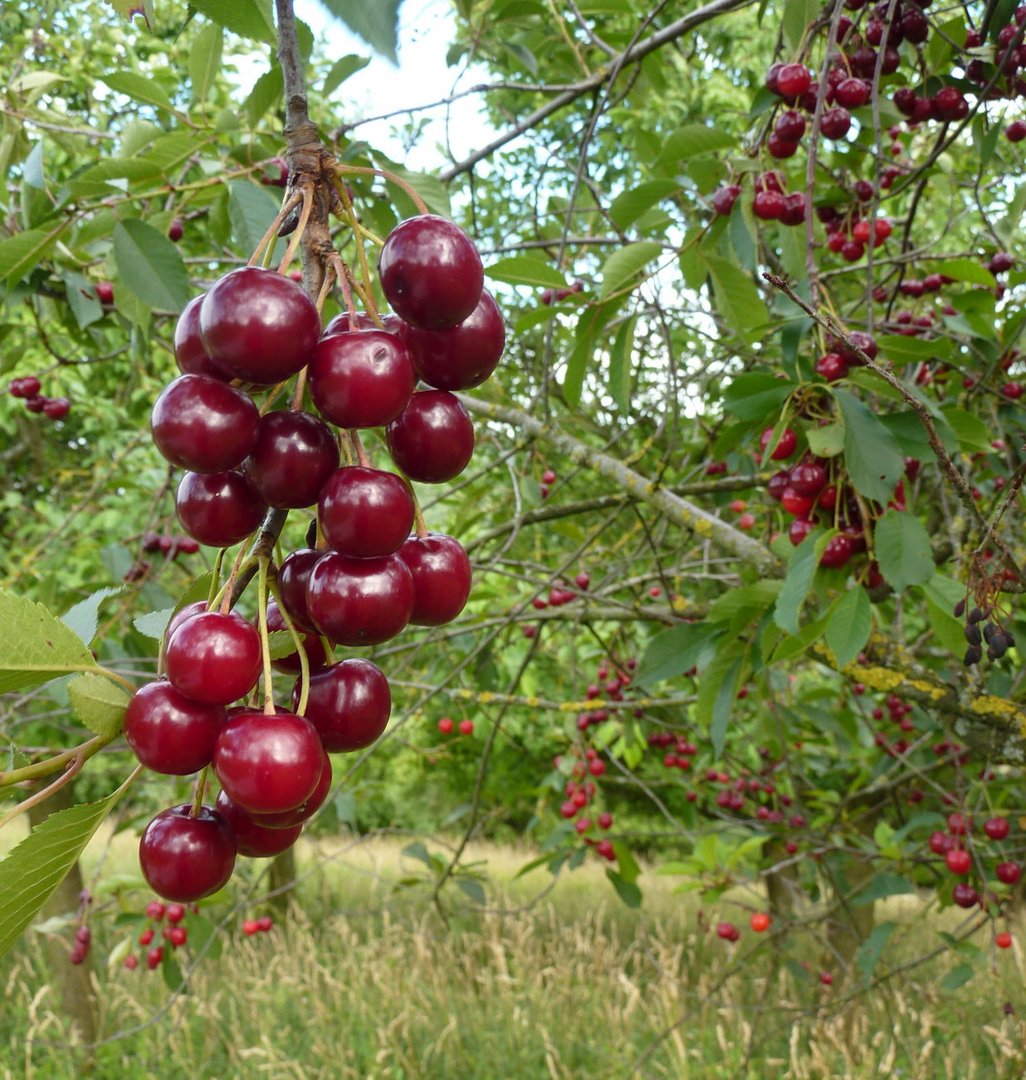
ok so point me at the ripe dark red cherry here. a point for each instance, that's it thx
(433, 439)
(785, 446)
(808, 478)
(312, 643)
(258, 325)
(768, 205)
(203, 424)
(218, 509)
(360, 601)
(342, 323)
(349, 705)
(27, 387)
(965, 895)
(268, 763)
(56, 408)
(252, 839)
(1008, 872)
(214, 658)
(289, 819)
(170, 733)
(293, 455)
(185, 858)
(361, 379)
(293, 576)
(190, 353)
(996, 828)
(441, 577)
(793, 80)
(949, 104)
(430, 272)
(105, 293)
(852, 93)
(365, 512)
(958, 861)
(723, 198)
(835, 123)
(182, 616)
(832, 366)
(790, 125)
(837, 553)
(463, 356)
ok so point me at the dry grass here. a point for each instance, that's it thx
(368, 982)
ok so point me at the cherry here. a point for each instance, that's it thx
(342, 324)
(799, 529)
(258, 325)
(838, 551)
(724, 198)
(365, 512)
(268, 763)
(996, 828)
(794, 503)
(940, 843)
(348, 703)
(293, 576)
(792, 80)
(728, 931)
(175, 913)
(56, 408)
(1016, 132)
(204, 424)
(582, 580)
(768, 205)
(293, 455)
(965, 895)
(760, 922)
(433, 439)
(605, 820)
(1008, 872)
(214, 658)
(169, 732)
(179, 617)
(794, 209)
(860, 340)
(958, 861)
(835, 123)
(1000, 262)
(176, 230)
(808, 478)
(312, 644)
(853, 93)
(289, 819)
(779, 147)
(430, 272)
(466, 727)
(154, 957)
(218, 509)
(131, 962)
(250, 927)
(441, 577)
(360, 601)
(949, 104)
(105, 293)
(362, 378)
(190, 353)
(184, 857)
(154, 910)
(178, 936)
(445, 726)
(785, 446)
(27, 387)
(790, 126)
(463, 356)
(832, 366)
(264, 923)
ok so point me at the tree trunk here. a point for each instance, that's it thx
(782, 885)
(282, 880)
(73, 983)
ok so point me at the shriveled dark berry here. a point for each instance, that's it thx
(991, 655)
(973, 655)
(960, 608)
(976, 615)
(998, 646)
(972, 634)
(1009, 640)
(989, 631)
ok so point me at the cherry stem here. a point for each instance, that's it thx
(342, 274)
(361, 454)
(367, 290)
(304, 660)
(297, 235)
(40, 769)
(227, 590)
(198, 791)
(126, 683)
(265, 647)
(419, 524)
(385, 174)
(289, 205)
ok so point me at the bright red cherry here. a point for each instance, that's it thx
(1003, 940)
(793, 80)
(175, 913)
(837, 553)
(723, 198)
(446, 725)
(105, 293)
(218, 509)
(170, 733)
(941, 843)
(214, 658)
(605, 820)
(365, 512)
(293, 455)
(760, 922)
(203, 424)
(360, 601)
(293, 576)
(250, 927)
(441, 577)
(186, 613)
(769, 205)
(268, 763)
(1008, 872)
(832, 366)
(56, 408)
(312, 644)
(430, 272)
(852, 93)
(965, 895)
(808, 478)
(258, 325)
(790, 125)
(349, 704)
(785, 444)
(835, 123)
(728, 931)
(289, 819)
(27, 387)
(996, 828)
(958, 861)
(466, 727)
(794, 503)
(463, 356)
(185, 858)
(361, 379)
(190, 353)
(433, 439)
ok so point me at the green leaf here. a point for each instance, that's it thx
(36, 866)
(251, 209)
(628, 892)
(99, 704)
(693, 139)
(870, 951)
(850, 624)
(205, 61)
(756, 395)
(150, 266)
(629, 869)
(426, 185)
(35, 646)
(591, 324)
(527, 270)
(902, 547)
(827, 441)
(874, 461)
(204, 940)
(801, 569)
(21, 253)
(628, 206)
(81, 299)
(880, 887)
(280, 644)
(625, 264)
(797, 16)
(83, 616)
(247, 18)
(968, 270)
(153, 623)
(266, 91)
(972, 433)
(376, 23)
(957, 977)
(673, 652)
(139, 88)
(341, 70)
(741, 606)
(103, 177)
(620, 358)
(909, 350)
(723, 702)
(472, 888)
(736, 296)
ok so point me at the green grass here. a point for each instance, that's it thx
(366, 981)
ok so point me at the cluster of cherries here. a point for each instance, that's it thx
(174, 932)
(369, 576)
(728, 931)
(28, 387)
(951, 845)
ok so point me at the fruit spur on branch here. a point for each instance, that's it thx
(266, 418)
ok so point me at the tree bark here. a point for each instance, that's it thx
(282, 880)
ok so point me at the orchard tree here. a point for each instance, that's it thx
(744, 503)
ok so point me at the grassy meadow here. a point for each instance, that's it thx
(366, 980)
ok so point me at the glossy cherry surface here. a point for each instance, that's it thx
(290, 664)
(349, 704)
(289, 819)
(218, 509)
(293, 454)
(430, 272)
(365, 512)
(360, 601)
(187, 612)
(433, 439)
(441, 577)
(170, 733)
(204, 424)
(214, 658)
(268, 763)
(252, 839)
(190, 353)
(463, 356)
(258, 325)
(185, 858)
(293, 577)
(362, 378)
